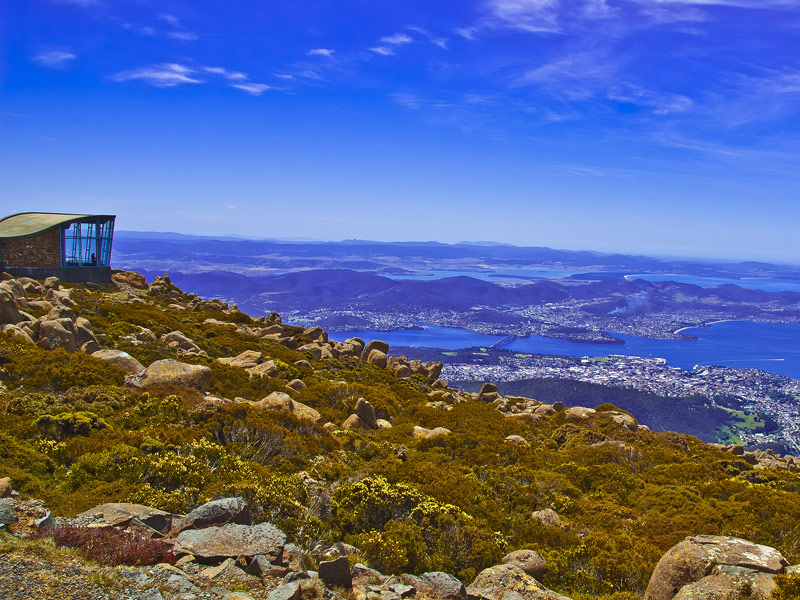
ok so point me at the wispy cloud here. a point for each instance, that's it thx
(286, 76)
(327, 52)
(535, 16)
(575, 76)
(169, 19)
(382, 50)
(256, 89)
(161, 75)
(433, 39)
(54, 58)
(184, 36)
(232, 75)
(397, 39)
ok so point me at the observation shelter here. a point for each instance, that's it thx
(71, 247)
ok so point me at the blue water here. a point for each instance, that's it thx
(758, 283)
(771, 347)
(446, 338)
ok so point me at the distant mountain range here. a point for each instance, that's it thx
(152, 250)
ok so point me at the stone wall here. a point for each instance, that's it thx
(40, 250)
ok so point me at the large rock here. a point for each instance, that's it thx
(336, 573)
(528, 560)
(377, 358)
(8, 513)
(730, 583)
(442, 585)
(264, 369)
(54, 334)
(131, 278)
(173, 372)
(281, 401)
(177, 339)
(366, 412)
(120, 359)
(696, 556)
(231, 541)
(379, 345)
(506, 581)
(121, 514)
(246, 360)
(9, 312)
(216, 512)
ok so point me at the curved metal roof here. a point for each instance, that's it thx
(30, 223)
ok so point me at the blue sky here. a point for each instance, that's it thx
(650, 126)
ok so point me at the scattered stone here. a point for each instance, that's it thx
(228, 568)
(264, 369)
(546, 516)
(302, 364)
(296, 385)
(246, 360)
(517, 439)
(172, 372)
(423, 433)
(529, 561)
(354, 422)
(336, 573)
(259, 566)
(363, 575)
(5, 487)
(287, 591)
(383, 424)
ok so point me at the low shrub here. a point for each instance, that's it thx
(114, 547)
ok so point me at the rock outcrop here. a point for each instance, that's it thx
(695, 558)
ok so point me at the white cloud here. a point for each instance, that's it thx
(184, 36)
(170, 19)
(397, 39)
(575, 76)
(535, 16)
(327, 52)
(232, 75)
(161, 75)
(256, 89)
(436, 41)
(54, 58)
(283, 76)
(382, 50)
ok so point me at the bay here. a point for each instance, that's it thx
(771, 347)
